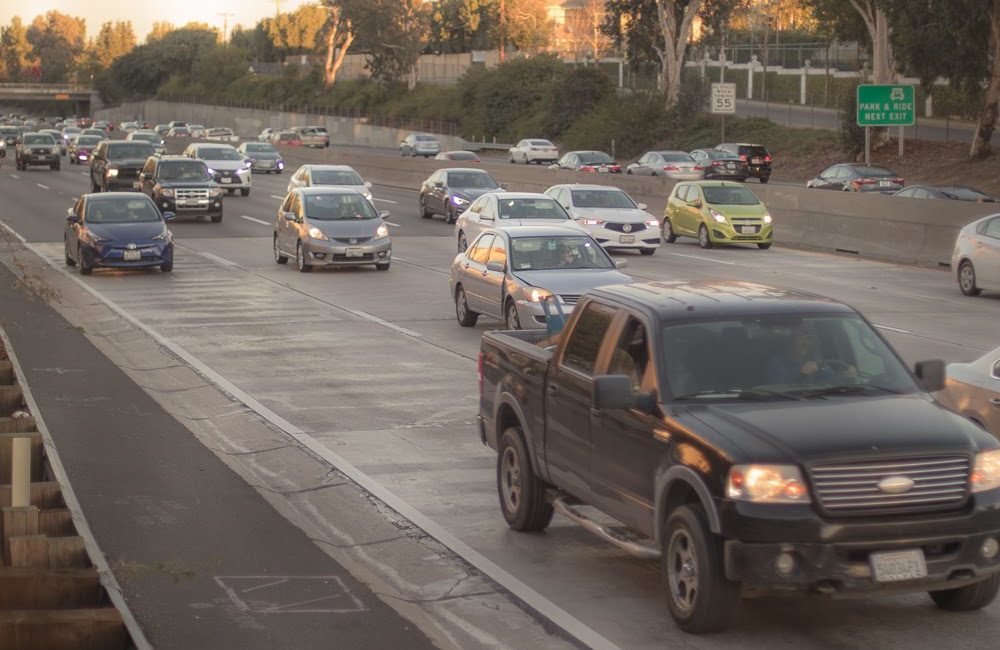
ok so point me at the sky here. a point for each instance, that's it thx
(143, 14)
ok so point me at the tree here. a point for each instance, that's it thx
(113, 41)
(463, 25)
(255, 41)
(298, 32)
(392, 32)
(141, 72)
(525, 24)
(879, 32)
(160, 29)
(57, 41)
(15, 50)
(339, 37)
(584, 27)
(632, 27)
(674, 18)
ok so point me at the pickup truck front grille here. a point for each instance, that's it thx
(853, 489)
(191, 193)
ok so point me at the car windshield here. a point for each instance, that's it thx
(146, 137)
(38, 139)
(130, 150)
(756, 151)
(335, 177)
(531, 209)
(213, 153)
(612, 199)
(338, 207)
(8, 131)
(729, 195)
(425, 138)
(716, 154)
(670, 156)
(89, 140)
(540, 143)
(261, 148)
(780, 356)
(592, 157)
(873, 172)
(121, 211)
(557, 252)
(966, 193)
(71, 129)
(183, 170)
(474, 180)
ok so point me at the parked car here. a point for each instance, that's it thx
(182, 186)
(121, 230)
(976, 258)
(973, 390)
(263, 157)
(748, 438)
(36, 149)
(230, 169)
(458, 156)
(179, 132)
(197, 130)
(152, 137)
(533, 150)
(721, 165)
(610, 216)
(342, 176)
(676, 165)
(500, 210)
(857, 177)
(286, 138)
(419, 144)
(949, 192)
(81, 148)
(331, 226)
(508, 272)
(58, 137)
(449, 191)
(757, 157)
(221, 134)
(717, 212)
(313, 136)
(588, 161)
(115, 164)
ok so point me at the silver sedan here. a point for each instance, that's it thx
(973, 390)
(677, 165)
(976, 258)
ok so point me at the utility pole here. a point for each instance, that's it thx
(503, 30)
(226, 15)
(277, 8)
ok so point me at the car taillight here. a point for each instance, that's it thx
(671, 168)
(698, 168)
(482, 388)
(587, 168)
(743, 157)
(899, 181)
(767, 158)
(717, 163)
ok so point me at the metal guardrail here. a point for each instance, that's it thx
(54, 88)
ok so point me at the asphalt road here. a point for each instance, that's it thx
(374, 367)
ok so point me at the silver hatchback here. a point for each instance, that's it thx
(976, 258)
(331, 226)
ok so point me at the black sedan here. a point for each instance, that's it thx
(121, 230)
(857, 177)
(949, 192)
(721, 165)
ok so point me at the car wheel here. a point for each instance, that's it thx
(510, 317)
(69, 260)
(511, 159)
(245, 191)
(300, 259)
(217, 218)
(463, 244)
(278, 257)
(764, 246)
(628, 172)
(424, 212)
(85, 269)
(967, 279)
(647, 251)
(668, 232)
(232, 192)
(56, 167)
(383, 266)
(704, 239)
(699, 596)
(451, 217)
(968, 598)
(167, 267)
(521, 492)
(466, 317)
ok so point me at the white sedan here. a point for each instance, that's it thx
(508, 209)
(330, 176)
(976, 259)
(533, 150)
(973, 390)
(610, 215)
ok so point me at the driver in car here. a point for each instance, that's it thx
(797, 363)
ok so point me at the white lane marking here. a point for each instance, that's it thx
(19, 236)
(15, 177)
(385, 200)
(892, 329)
(536, 601)
(216, 258)
(260, 221)
(703, 259)
(44, 187)
(392, 326)
(275, 196)
(84, 173)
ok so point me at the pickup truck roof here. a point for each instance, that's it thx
(700, 300)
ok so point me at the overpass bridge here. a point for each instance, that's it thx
(85, 98)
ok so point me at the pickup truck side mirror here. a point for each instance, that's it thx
(931, 374)
(613, 392)
(289, 216)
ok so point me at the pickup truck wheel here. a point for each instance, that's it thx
(522, 494)
(699, 596)
(968, 598)
(466, 317)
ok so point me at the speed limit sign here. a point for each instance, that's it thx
(723, 98)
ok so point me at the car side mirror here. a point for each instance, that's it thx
(498, 267)
(169, 216)
(503, 186)
(385, 214)
(554, 166)
(641, 206)
(621, 264)
(613, 392)
(72, 217)
(439, 185)
(696, 203)
(289, 216)
(486, 217)
(931, 374)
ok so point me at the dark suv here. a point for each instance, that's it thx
(37, 149)
(181, 185)
(117, 163)
(756, 156)
(8, 138)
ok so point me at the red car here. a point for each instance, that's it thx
(289, 138)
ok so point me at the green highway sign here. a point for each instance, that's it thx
(886, 105)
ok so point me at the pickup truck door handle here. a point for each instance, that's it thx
(995, 401)
(552, 390)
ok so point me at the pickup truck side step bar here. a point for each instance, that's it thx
(566, 506)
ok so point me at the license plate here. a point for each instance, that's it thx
(730, 165)
(756, 161)
(748, 230)
(626, 239)
(883, 183)
(602, 170)
(355, 252)
(132, 256)
(227, 180)
(893, 566)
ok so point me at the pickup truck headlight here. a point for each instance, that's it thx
(538, 295)
(166, 191)
(718, 216)
(111, 172)
(215, 192)
(316, 233)
(986, 471)
(767, 484)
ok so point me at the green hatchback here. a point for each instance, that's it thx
(717, 212)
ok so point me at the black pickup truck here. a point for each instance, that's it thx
(747, 437)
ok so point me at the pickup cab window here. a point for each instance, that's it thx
(631, 356)
(585, 340)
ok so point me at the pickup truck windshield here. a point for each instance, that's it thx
(780, 356)
(557, 252)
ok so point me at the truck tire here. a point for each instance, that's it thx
(522, 494)
(699, 596)
(968, 598)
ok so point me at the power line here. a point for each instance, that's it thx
(226, 15)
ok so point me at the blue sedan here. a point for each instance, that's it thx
(118, 230)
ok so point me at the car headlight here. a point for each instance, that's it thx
(164, 236)
(459, 201)
(281, 164)
(718, 216)
(316, 233)
(166, 191)
(653, 223)
(55, 149)
(211, 171)
(243, 170)
(591, 222)
(986, 471)
(767, 217)
(381, 231)
(768, 484)
(110, 172)
(537, 295)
